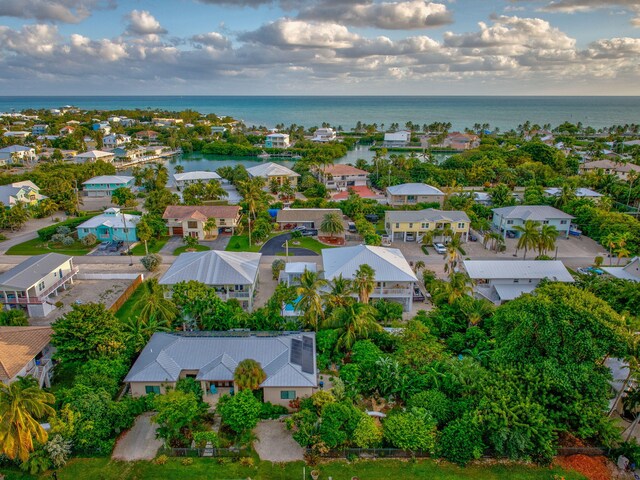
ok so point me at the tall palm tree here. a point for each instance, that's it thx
(609, 241)
(249, 375)
(332, 224)
(364, 281)
(178, 169)
(419, 265)
(457, 286)
(454, 250)
(154, 304)
(353, 322)
(210, 225)
(339, 293)
(547, 239)
(621, 240)
(22, 404)
(567, 193)
(253, 196)
(214, 191)
(529, 234)
(475, 310)
(47, 207)
(311, 298)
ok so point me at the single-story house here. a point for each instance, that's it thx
(411, 225)
(25, 192)
(461, 141)
(505, 218)
(111, 225)
(397, 139)
(104, 185)
(631, 271)
(277, 140)
(341, 176)
(610, 167)
(188, 220)
(289, 218)
(181, 180)
(413, 193)
(31, 284)
(231, 274)
(580, 193)
(272, 171)
(501, 280)
(94, 156)
(394, 278)
(26, 351)
(16, 134)
(210, 358)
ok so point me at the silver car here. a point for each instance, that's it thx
(440, 248)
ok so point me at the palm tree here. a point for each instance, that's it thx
(457, 286)
(454, 250)
(339, 293)
(364, 282)
(22, 403)
(332, 224)
(547, 239)
(529, 234)
(353, 322)
(253, 196)
(178, 169)
(621, 240)
(214, 191)
(47, 207)
(249, 375)
(154, 304)
(144, 232)
(475, 310)
(419, 265)
(210, 225)
(311, 298)
(567, 193)
(610, 242)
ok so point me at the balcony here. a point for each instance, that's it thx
(41, 371)
(42, 296)
(392, 292)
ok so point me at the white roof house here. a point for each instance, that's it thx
(503, 280)
(400, 138)
(183, 179)
(109, 179)
(270, 169)
(113, 218)
(580, 192)
(324, 135)
(631, 271)
(417, 189)
(94, 155)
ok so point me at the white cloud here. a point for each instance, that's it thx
(287, 33)
(66, 11)
(141, 22)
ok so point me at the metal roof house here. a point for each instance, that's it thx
(505, 218)
(288, 359)
(631, 271)
(94, 155)
(231, 274)
(272, 171)
(411, 225)
(25, 192)
(394, 277)
(502, 280)
(104, 185)
(30, 284)
(413, 193)
(111, 225)
(181, 180)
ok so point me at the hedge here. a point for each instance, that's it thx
(46, 233)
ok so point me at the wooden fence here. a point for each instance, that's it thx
(126, 294)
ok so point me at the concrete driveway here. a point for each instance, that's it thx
(275, 443)
(275, 245)
(139, 443)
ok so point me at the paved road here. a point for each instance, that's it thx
(274, 245)
(139, 443)
(21, 238)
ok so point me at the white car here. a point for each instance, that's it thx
(440, 248)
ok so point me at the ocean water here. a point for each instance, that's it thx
(462, 111)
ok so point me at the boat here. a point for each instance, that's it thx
(264, 155)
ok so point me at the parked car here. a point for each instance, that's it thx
(590, 271)
(473, 238)
(115, 246)
(300, 228)
(511, 234)
(372, 217)
(411, 237)
(352, 227)
(439, 248)
(309, 232)
(104, 246)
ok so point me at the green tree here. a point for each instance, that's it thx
(123, 196)
(211, 226)
(547, 239)
(460, 441)
(411, 430)
(144, 232)
(311, 298)
(240, 412)
(190, 242)
(87, 331)
(177, 412)
(254, 196)
(368, 433)
(178, 168)
(153, 303)
(339, 294)
(353, 322)
(454, 250)
(529, 236)
(47, 207)
(22, 404)
(249, 375)
(364, 281)
(332, 224)
(13, 318)
(501, 196)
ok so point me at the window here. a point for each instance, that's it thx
(563, 222)
(509, 222)
(41, 286)
(192, 224)
(125, 230)
(545, 222)
(287, 394)
(461, 225)
(397, 225)
(151, 389)
(425, 226)
(411, 225)
(516, 281)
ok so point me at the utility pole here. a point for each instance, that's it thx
(126, 238)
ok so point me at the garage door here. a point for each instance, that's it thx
(178, 231)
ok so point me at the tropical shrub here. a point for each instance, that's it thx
(151, 262)
(411, 430)
(460, 441)
(241, 412)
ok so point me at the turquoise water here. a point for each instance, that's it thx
(502, 112)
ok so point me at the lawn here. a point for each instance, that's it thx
(206, 468)
(155, 244)
(127, 309)
(37, 247)
(240, 243)
(197, 248)
(309, 243)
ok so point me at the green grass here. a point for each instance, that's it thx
(128, 308)
(208, 468)
(240, 243)
(197, 248)
(309, 243)
(37, 247)
(155, 244)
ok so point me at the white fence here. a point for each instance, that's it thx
(107, 276)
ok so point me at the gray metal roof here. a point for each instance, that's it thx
(271, 169)
(512, 291)
(414, 189)
(580, 192)
(389, 263)
(215, 355)
(517, 269)
(102, 179)
(532, 212)
(196, 175)
(32, 270)
(426, 215)
(214, 267)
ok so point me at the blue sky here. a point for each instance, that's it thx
(579, 47)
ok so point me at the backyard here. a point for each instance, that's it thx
(154, 245)
(37, 247)
(201, 468)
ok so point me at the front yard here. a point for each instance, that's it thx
(308, 243)
(154, 245)
(37, 247)
(184, 248)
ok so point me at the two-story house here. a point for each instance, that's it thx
(181, 180)
(147, 135)
(324, 135)
(93, 156)
(39, 129)
(397, 139)
(579, 192)
(17, 154)
(610, 167)
(112, 225)
(115, 140)
(32, 284)
(277, 140)
(210, 358)
(413, 193)
(395, 281)
(506, 218)
(191, 220)
(341, 176)
(230, 274)
(104, 185)
(289, 218)
(25, 192)
(26, 351)
(502, 280)
(410, 226)
(274, 172)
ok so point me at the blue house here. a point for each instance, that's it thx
(104, 185)
(111, 225)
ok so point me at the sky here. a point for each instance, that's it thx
(321, 47)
